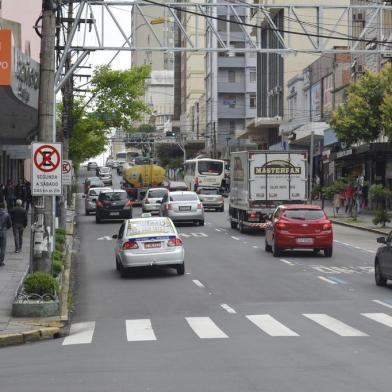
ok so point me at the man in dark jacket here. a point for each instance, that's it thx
(5, 224)
(19, 222)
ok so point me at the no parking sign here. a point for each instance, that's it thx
(46, 175)
(67, 172)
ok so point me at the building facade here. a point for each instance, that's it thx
(230, 85)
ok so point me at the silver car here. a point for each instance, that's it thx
(211, 198)
(147, 242)
(105, 175)
(153, 200)
(183, 206)
(91, 199)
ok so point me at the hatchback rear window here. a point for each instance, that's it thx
(304, 214)
(113, 196)
(157, 193)
(184, 197)
(208, 192)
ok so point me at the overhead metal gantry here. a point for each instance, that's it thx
(312, 28)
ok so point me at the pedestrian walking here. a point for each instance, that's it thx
(5, 224)
(9, 194)
(19, 222)
(29, 197)
(338, 202)
(349, 195)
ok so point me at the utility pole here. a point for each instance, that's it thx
(67, 119)
(214, 140)
(43, 206)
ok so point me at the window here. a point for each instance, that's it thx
(184, 197)
(304, 214)
(252, 100)
(231, 76)
(121, 232)
(252, 76)
(113, 196)
(157, 193)
(231, 126)
(210, 167)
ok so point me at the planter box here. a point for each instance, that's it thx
(32, 308)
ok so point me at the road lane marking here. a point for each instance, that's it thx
(353, 246)
(184, 235)
(198, 234)
(270, 325)
(235, 238)
(381, 318)
(80, 333)
(198, 283)
(334, 325)
(286, 261)
(337, 280)
(139, 330)
(218, 230)
(105, 238)
(382, 303)
(205, 328)
(255, 247)
(228, 308)
(327, 280)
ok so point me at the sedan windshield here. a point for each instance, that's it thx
(304, 214)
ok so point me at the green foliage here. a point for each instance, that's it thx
(337, 187)
(379, 193)
(57, 255)
(143, 128)
(367, 110)
(41, 283)
(118, 93)
(382, 217)
(57, 266)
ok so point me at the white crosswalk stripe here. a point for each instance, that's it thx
(80, 333)
(334, 325)
(139, 330)
(270, 325)
(205, 328)
(381, 318)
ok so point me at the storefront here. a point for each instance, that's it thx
(373, 161)
(19, 87)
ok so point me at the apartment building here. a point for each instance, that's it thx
(159, 95)
(275, 70)
(230, 84)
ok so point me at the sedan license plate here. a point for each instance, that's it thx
(150, 245)
(184, 208)
(114, 214)
(305, 240)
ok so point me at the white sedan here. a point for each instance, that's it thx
(148, 242)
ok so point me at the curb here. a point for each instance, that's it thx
(363, 228)
(34, 335)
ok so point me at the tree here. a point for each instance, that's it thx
(367, 110)
(117, 95)
(359, 118)
(89, 135)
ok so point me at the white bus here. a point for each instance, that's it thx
(204, 172)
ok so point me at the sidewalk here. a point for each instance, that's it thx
(363, 221)
(19, 330)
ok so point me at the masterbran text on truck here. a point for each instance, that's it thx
(262, 180)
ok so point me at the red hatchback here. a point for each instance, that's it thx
(299, 226)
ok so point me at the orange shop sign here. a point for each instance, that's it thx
(5, 57)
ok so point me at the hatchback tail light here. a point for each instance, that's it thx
(128, 205)
(199, 206)
(327, 226)
(281, 226)
(169, 206)
(130, 245)
(174, 242)
(99, 204)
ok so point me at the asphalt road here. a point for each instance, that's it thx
(240, 320)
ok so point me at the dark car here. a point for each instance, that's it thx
(92, 182)
(383, 261)
(174, 186)
(113, 204)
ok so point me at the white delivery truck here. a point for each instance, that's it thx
(262, 180)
